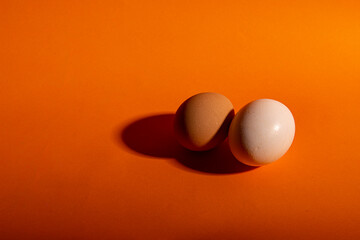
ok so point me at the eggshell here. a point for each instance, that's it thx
(261, 132)
(203, 120)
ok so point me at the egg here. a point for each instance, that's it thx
(261, 132)
(203, 121)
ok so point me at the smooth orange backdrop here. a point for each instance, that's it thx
(75, 74)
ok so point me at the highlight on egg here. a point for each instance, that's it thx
(203, 120)
(261, 132)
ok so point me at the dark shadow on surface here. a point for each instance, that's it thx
(154, 136)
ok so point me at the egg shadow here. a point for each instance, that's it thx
(154, 136)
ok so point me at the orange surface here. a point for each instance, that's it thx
(87, 95)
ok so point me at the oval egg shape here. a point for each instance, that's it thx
(202, 121)
(261, 132)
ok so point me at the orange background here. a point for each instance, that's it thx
(87, 94)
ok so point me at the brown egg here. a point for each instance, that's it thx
(203, 120)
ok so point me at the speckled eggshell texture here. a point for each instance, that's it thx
(261, 132)
(203, 121)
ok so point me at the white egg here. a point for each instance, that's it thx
(261, 132)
